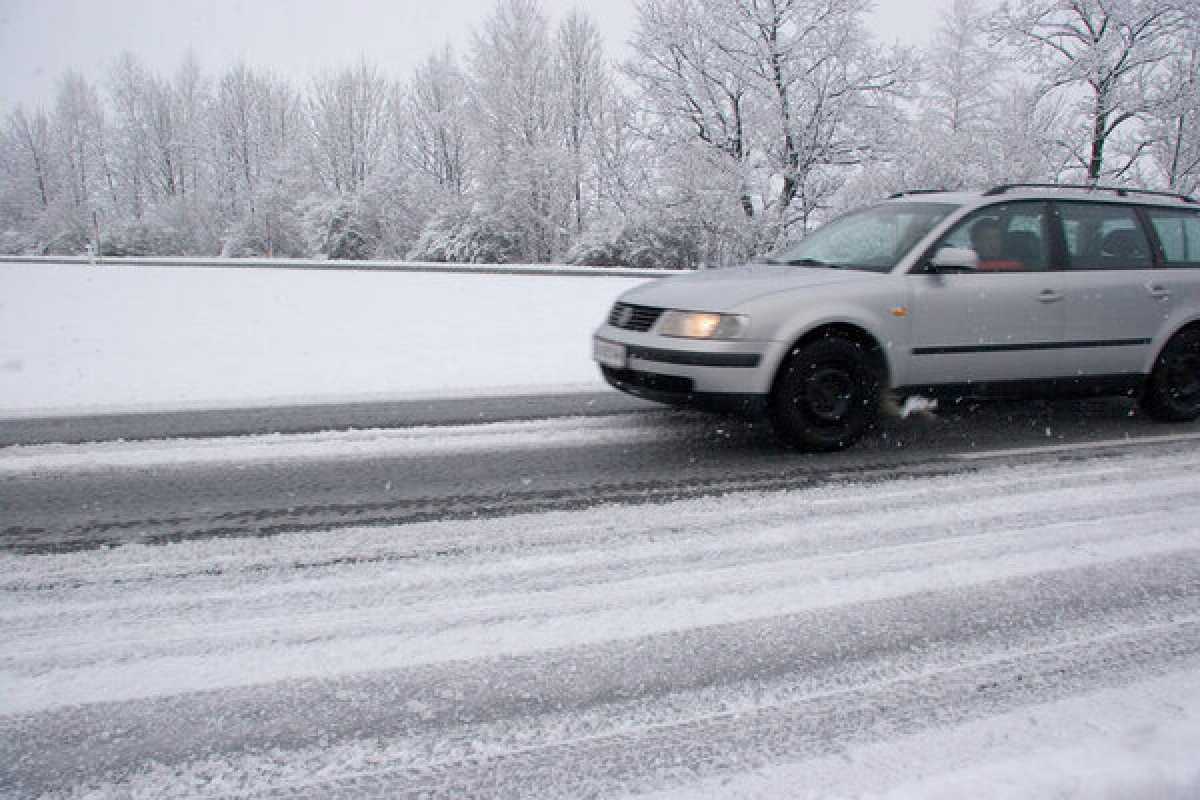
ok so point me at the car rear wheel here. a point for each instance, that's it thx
(1173, 391)
(826, 396)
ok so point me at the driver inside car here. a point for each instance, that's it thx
(987, 239)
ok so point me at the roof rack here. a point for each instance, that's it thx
(1121, 191)
(916, 191)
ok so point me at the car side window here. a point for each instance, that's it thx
(1104, 236)
(1006, 238)
(1179, 234)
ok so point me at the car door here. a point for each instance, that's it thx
(1000, 321)
(1117, 299)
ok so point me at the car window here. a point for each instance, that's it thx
(1006, 238)
(1104, 236)
(1179, 234)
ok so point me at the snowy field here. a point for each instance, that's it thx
(77, 338)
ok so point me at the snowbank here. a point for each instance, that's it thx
(77, 338)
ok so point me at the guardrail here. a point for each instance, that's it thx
(361, 266)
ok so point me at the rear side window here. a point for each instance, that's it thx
(1104, 236)
(1179, 234)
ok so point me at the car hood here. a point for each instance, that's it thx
(725, 289)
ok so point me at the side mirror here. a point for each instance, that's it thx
(955, 259)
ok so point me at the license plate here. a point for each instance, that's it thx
(610, 354)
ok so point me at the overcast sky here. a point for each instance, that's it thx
(40, 39)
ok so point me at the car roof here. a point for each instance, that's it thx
(1025, 191)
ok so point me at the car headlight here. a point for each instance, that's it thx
(702, 325)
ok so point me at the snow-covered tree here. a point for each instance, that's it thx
(518, 110)
(961, 68)
(975, 121)
(28, 156)
(830, 94)
(777, 101)
(695, 93)
(623, 158)
(582, 72)
(192, 101)
(431, 119)
(28, 184)
(958, 114)
(131, 94)
(1100, 52)
(349, 118)
(738, 123)
(1173, 127)
(261, 173)
(78, 126)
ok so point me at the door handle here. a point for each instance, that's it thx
(1050, 296)
(1158, 292)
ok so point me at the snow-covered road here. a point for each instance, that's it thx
(930, 636)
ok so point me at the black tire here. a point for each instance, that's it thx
(1172, 393)
(826, 395)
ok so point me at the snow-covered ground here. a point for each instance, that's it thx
(1014, 631)
(1028, 627)
(76, 338)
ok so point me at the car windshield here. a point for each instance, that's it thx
(872, 239)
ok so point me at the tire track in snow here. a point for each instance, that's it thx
(506, 596)
(296, 517)
(668, 754)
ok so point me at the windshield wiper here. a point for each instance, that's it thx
(801, 262)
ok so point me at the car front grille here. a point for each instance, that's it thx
(633, 318)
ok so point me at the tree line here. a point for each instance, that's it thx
(734, 126)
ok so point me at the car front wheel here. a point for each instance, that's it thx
(1173, 391)
(826, 396)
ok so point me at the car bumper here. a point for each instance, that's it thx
(676, 391)
(726, 375)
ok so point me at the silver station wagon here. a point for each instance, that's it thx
(1021, 289)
